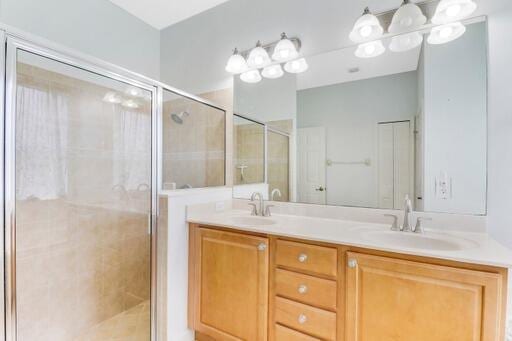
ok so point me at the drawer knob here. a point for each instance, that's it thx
(302, 319)
(262, 247)
(303, 257)
(352, 263)
(302, 289)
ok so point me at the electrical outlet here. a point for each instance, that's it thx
(443, 186)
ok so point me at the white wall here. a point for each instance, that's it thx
(94, 27)
(500, 124)
(350, 112)
(455, 122)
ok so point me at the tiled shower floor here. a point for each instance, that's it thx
(130, 325)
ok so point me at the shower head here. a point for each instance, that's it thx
(178, 117)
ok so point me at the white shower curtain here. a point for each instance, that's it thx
(41, 142)
(132, 145)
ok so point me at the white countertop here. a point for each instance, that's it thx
(478, 248)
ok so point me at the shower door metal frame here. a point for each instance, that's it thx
(2, 167)
(12, 43)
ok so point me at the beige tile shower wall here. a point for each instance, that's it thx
(278, 165)
(85, 257)
(193, 152)
(249, 149)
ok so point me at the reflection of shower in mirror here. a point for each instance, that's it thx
(242, 168)
(178, 117)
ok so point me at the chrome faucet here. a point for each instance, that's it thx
(255, 210)
(406, 226)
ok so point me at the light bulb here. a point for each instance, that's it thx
(130, 103)
(371, 49)
(112, 97)
(367, 27)
(272, 71)
(251, 76)
(236, 63)
(453, 10)
(284, 50)
(296, 66)
(446, 33)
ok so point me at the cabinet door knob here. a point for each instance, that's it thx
(302, 289)
(302, 319)
(262, 247)
(352, 263)
(302, 257)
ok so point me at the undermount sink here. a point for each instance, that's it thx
(421, 241)
(251, 220)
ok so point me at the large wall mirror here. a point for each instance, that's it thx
(367, 132)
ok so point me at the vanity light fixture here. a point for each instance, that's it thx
(296, 66)
(258, 57)
(366, 28)
(273, 71)
(236, 63)
(453, 10)
(405, 42)
(370, 50)
(408, 17)
(112, 97)
(284, 50)
(251, 76)
(134, 92)
(446, 33)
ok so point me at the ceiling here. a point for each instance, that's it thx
(163, 13)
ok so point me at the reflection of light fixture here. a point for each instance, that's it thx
(236, 63)
(453, 10)
(251, 76)
(296, 66)
(446, 33)
(371, 49)
(409, 16)
(405, 42)
(112, 97)
(284, 50)
(273, 71)
(134, 92)
(367, 27)
(258, 57)
(130, 103)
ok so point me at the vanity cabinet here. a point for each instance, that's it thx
(395, 299)
(251, 287)
(229, 285)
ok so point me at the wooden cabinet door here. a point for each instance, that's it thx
(396, 300)
(231, 285)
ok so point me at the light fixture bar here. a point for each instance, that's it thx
(270, 46)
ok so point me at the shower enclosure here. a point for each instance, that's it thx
(80, 199)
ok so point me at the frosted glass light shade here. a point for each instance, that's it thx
(409, 16)
(296, 66)
(367, 27)
(258, 57)
(273, 71)
(236, 63)
(370, 50)
(284, 50)
(453, 10)
(406, 42)
(130, 103)
(112, 97)
(251, 76)
(446, 33)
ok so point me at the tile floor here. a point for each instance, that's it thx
(130, 325)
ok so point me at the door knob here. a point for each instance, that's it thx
(320, 189)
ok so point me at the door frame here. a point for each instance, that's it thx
(12, 44)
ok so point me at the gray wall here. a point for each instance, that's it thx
(350, 112)
(94, 27)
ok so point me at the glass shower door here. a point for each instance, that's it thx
(78, 181)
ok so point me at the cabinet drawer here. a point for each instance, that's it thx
(286, 334)
(307, 319)
(307, 289)
(311, 258)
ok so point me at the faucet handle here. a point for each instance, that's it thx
(418, 228)
(394, 225)
(254, 210)
(267, 211)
